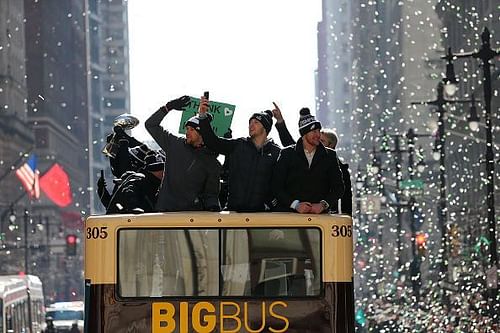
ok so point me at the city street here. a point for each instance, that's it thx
(410, 91)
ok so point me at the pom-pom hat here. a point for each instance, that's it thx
(194, 121)
(138, 153)
(307, 122)
(265, 118)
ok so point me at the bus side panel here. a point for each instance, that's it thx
(342, 296)
(334, 313)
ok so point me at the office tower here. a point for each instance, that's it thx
(334, 74)
(109, 82)
(56, 69)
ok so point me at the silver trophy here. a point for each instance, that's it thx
(126, 122)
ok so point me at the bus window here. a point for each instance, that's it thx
(65, 314)
(271, 262)
(8, 319)
(168, 262)
(252, 262)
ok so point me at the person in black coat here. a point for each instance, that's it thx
(307, 177)
(192, 174)
(329, 139)
(251, 162)
(137, 191)
(130, 154)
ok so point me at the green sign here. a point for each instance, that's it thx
(222, 115)
(412, 184)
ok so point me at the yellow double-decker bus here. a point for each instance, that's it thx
(219, 272)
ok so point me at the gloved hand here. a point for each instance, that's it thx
(178, 104)
(120, 133)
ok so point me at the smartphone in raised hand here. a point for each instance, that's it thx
(206, 94)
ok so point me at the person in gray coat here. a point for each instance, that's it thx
(192, 171)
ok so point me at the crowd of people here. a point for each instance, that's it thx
(304, 176)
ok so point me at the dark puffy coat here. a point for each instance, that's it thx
(295, 180)
(192, 175)
(136, 194)
(250, 170)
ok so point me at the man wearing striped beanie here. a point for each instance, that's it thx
(307, 178)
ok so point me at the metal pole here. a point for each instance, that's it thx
(397, 150)
(26, 247)
(442, 214)
(415, 265)
(486, 53)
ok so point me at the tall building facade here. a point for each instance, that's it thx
(16, 136)
(395, 61)
(333, 76)
(56, 71)
(109, 82)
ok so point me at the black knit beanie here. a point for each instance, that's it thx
(265, 118)
(307, 122)
(194, 122)
(154, 162)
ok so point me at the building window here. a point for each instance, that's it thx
(114, 103)
(41, 137)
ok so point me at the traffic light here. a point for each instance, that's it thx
(420, 242)
(71, 245)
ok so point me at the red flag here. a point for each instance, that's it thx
(55, 184)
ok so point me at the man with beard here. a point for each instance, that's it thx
(307, 177)
(192, 172)
(251, 161)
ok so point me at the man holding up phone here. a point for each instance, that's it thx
(192, 172)
(251, 161)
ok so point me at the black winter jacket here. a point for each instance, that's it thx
(192, 175)
(250, 170)
(346, 200)
(295, 180)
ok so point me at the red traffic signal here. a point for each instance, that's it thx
(71, 241)
(420, 240)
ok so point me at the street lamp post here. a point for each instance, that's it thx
(439, 103)
(410, 136)
(486, 53)
(397, 162)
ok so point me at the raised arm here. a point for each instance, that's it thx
(152, 124)
(213, 142)
(285, 137)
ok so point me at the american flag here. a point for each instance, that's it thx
(29, 175)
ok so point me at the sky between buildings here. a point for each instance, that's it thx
(246, 53)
